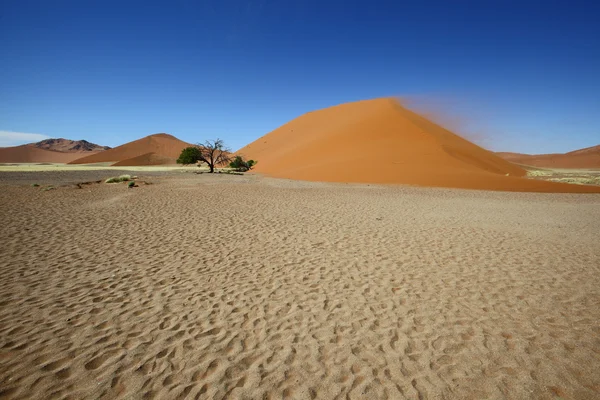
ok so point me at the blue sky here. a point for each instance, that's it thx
(511, 75)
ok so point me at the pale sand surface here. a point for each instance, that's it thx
(68, 177)
(246, 287)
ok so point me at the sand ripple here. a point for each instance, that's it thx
(214, 287)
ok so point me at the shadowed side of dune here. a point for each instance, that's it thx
(146, 159)
(379, 141)
(150, 150)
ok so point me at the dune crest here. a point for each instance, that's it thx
(379, 141)
(157, 149)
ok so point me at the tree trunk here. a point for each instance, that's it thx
(212, 168)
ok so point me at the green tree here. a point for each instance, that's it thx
(189, 155)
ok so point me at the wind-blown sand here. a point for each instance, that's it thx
(216, 286)
(379, 141)
(160, 148)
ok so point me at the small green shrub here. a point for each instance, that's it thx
(118, 179)
(35, 185)
(241, 165)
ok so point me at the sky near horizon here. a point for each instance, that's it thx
(517, 76)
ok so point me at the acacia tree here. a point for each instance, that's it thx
(189, 155)
(214, 152)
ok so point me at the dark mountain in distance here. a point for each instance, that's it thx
(49, 151)
(69, 146)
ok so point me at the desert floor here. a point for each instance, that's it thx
(220, 286)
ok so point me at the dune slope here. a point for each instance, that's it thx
(164, 146)
(379, 141)
(584, 158)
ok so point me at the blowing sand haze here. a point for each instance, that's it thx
(215, 287)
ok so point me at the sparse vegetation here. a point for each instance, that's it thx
(118, 179)
(588, 180)
(562, 175)
(35, 185)
(241, 165)
(539, 172)
(232, 173)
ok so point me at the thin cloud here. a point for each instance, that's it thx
(8, 138)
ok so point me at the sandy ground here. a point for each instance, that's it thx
(215, 287)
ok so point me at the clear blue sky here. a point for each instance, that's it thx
(516, 75)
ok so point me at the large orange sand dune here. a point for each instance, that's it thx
(584, 158)
(158, 148)
(379, 141)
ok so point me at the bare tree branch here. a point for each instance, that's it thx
(214, 153)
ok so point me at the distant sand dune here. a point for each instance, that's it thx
(149, 150)
(49, 151)
(379, 141)
(30, 154)
(584, 158)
